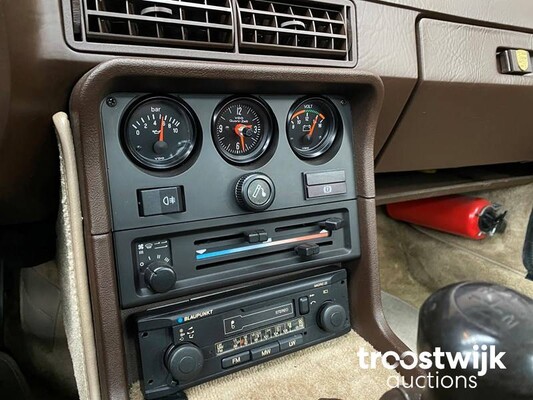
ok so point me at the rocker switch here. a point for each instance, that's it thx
(303, 304)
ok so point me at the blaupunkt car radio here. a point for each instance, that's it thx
(182, 347)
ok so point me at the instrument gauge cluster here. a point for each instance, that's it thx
(173, 158)
(162, 132)
(312, 127)
(242, 129)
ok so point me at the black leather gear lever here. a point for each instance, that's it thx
(491, 319)
(479, 321)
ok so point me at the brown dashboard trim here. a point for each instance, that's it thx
(493, 13)
(463, 111)
(362, 89)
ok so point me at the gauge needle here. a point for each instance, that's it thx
(162, 131)
(310, 134)
(238, 131)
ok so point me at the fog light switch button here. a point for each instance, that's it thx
(161, 201)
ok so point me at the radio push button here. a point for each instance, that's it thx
(303, 305)
(265, 351)
(289, 343)
(235, 360)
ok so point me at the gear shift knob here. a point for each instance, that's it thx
(482, 319)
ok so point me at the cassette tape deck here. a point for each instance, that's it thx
(183, 346)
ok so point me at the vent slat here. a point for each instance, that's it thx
(290, 31)
(169, 21)
(276, 14)
(306, 28)
(206, 24)
(186, 4)
(151, 41)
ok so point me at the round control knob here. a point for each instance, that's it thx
(184, 362)
(255, 192)
(159, 276)
(332, 317)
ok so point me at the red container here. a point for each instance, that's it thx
(470, 217)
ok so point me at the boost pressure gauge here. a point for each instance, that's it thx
(160, 132)
(312, 127)
(242, 129)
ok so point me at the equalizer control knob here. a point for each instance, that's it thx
(332, 317)
(184, 362)
(255, 192)
(159, 276)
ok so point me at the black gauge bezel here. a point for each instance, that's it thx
(331, 135)
(268, 131)
(167, 164)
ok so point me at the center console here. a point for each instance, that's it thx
(225, 214)
(209, 191)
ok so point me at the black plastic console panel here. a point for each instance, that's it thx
(210, 241)
(209, 183)
(188, 240)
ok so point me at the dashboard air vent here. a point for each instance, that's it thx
(311, 29)
(169, 23)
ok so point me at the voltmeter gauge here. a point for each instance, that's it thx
(160, 132)
(242, 129)
(312, 127)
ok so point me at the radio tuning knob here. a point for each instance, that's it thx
(255, 192)
(159, 276)
(184, 362)
(332, 317)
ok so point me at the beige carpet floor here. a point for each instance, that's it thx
(402, 318)
(329, 370)
(415, 261)
(394, 261)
